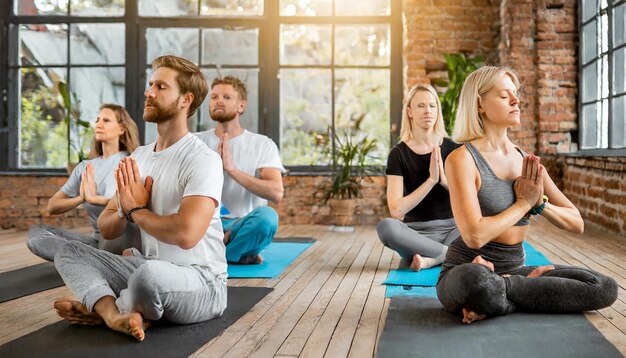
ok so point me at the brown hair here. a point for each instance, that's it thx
(190, 79)
(237, 84)
(129, 140)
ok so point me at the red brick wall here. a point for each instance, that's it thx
(24, 199)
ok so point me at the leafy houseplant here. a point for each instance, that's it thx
(81, 129)
(349, 170)
(459, 67)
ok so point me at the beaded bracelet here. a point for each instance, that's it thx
(129, 218)
(537, 210)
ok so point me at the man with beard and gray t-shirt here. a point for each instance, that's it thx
(252, 174)
(171, 190)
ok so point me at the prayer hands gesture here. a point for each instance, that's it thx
(437, 174)
(88, 189)
(223, 149)
(529, 187)
(131, 191)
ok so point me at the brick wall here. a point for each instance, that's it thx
(23, 203)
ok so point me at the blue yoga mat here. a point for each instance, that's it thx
(395, 291)
(428, 277)
(276, 257)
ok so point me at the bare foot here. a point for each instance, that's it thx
(132, 324)
(76, 313)
(226, 237)
(479, 260)
(416, 263)
(471, 316)
(540, 270)
(127, 252)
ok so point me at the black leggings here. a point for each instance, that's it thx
(565, 289)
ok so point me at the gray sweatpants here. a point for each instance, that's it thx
(427, 238)
(155, 288)
(44, 241)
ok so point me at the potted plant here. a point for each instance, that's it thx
(80, 128)
(349, 169)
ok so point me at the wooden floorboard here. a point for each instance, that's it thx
(330, 301)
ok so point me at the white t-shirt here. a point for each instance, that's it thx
(251, 152)
(186, 168)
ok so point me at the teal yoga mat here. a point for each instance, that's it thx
(395, 291)
(276, 257)
(428, 277)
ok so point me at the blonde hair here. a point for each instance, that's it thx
(129, 140)
(406, 128)
(468, 124)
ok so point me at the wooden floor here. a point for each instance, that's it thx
(331, 296)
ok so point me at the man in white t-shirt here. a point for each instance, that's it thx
(252, 174)
(166, 188)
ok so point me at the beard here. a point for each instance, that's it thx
(158, 113)
(223, 116)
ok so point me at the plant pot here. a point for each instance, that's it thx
(342, 210)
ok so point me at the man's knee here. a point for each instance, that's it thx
(266, 218)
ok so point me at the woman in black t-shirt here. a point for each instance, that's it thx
(417, 189)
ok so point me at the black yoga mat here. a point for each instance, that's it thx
(302, 239)
(162, 339)
(419, 326)
(28, 280)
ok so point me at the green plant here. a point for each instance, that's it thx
(459, 67)
(80, 128)
(349, 168)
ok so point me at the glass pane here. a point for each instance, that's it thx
(42, 131)
(619, 73)
(619, 25)
(618, 123)
(306, 7)
(305, 44)
(97, 8)
(362, 106)
(589, 126)
(90, 88)
(604, 82)
(366, 45)
(604, 123)
(41, 7)
(604, 33)
(590, 42)
(181, 42)
(43, 44)
(232, 7)
(250, 118)
(589, 83)
(590, 8)
(169, 8)
(242, 48)
(364, 7)
(305, 115)
(97, 44)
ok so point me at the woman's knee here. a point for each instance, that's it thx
(385, 229)
(607, 291)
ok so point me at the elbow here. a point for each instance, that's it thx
(396, 214)
(278, 195)
(473, 241)
(187, 243)
(579, 227)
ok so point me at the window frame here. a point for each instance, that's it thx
(610, 151)
(135, 65)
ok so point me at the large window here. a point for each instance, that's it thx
(603, 74)
(313, 68)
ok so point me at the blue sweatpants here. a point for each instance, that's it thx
(250, 234)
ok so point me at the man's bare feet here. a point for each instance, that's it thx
(127, 252)
(471, 316)
(250, 260)
(479, 260)
(416, 263)
(540, 270)
(76, 313)
(132, 324)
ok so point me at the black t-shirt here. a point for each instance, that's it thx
(415, 169)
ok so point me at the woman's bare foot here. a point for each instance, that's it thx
(540, 270)
(127, 252)
(132, 324)
(76, 313)
(471, 316)
(479, 260)
(416, 263)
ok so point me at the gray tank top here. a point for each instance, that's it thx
(495, 194)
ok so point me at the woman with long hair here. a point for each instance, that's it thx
(92, 183)
(421, 226)
(494, 189)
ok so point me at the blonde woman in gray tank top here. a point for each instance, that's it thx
(494, 188)
(92, 184)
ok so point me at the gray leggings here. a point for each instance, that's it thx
(565, 289)
(44, 241)
(155, 288)
(427, 238)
